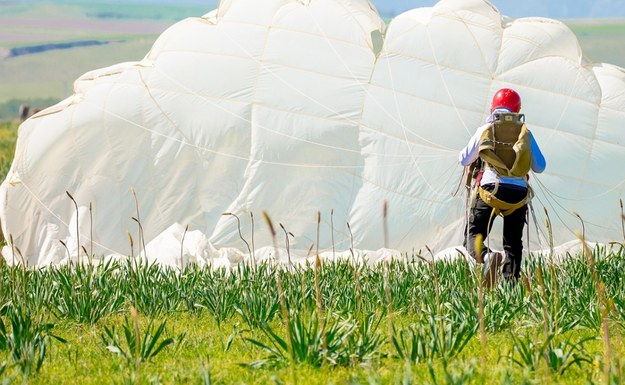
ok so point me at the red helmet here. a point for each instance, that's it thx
(506, 98)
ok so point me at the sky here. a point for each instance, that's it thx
(555, 9)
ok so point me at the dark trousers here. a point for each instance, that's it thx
(481, 222)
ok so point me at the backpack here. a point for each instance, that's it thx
(505, 145)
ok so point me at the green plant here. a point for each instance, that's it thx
(558, 356)
(441, 337)
(27, 340)
(456, 374)
(151, 290)
(136, 347)
(337, 341)
(218, 293)
(85, 293)
(258, 306)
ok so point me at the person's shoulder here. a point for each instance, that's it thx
(483, 128)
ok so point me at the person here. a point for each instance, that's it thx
(501, 183)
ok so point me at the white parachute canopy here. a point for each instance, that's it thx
(299, 107)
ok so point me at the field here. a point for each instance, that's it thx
(403, 322)
(342, 323)
(40, 79)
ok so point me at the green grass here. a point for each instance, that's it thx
(548, 330)
(102, 10)
(8, 138)
(601, 42)
(34, 76)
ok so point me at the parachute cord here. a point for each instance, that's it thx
(533, 212)
(462, 177)
(467, 216)
(527, 230)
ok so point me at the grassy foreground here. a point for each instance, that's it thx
(407, 322)
(342, 323)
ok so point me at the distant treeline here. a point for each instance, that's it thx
(19, 51)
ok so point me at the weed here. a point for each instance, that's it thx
(27, 340)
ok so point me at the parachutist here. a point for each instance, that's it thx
(505, 151)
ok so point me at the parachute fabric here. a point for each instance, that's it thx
(298, 107)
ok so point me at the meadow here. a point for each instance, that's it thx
(403, 322)
(406, 321)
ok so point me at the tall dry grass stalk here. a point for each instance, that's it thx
(69, 256)
(90, 233)
(389, 303)
(332, 233)
(318, 298)
(12, 244)
(387, 278)
(77, 229)
(543, 290)
(550, 234)
(288, 245)
(184, 234)
(604, 308)
(303, 282)
(132, 246)
(137, 219)
(620, 201)
(385, 220)
(253, 246)
(135, 319)
(437, 286)
(249, 250)
(132, 270)
(281, 296)
(351, 242)
(479, 241)
(355, 271)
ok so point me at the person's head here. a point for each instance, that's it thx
(506, 98)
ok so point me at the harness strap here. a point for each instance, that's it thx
(502, 207)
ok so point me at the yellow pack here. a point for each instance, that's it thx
(505, 145)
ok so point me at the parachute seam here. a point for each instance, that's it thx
(362, 29)
(299, 113)
(302, 32)
(367, 89)
(307, 165)
(172, 124)
(444, 81)
(484, 62)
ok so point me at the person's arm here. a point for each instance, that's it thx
(470, 153)
(538, 160)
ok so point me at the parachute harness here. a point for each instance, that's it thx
(502, 207)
